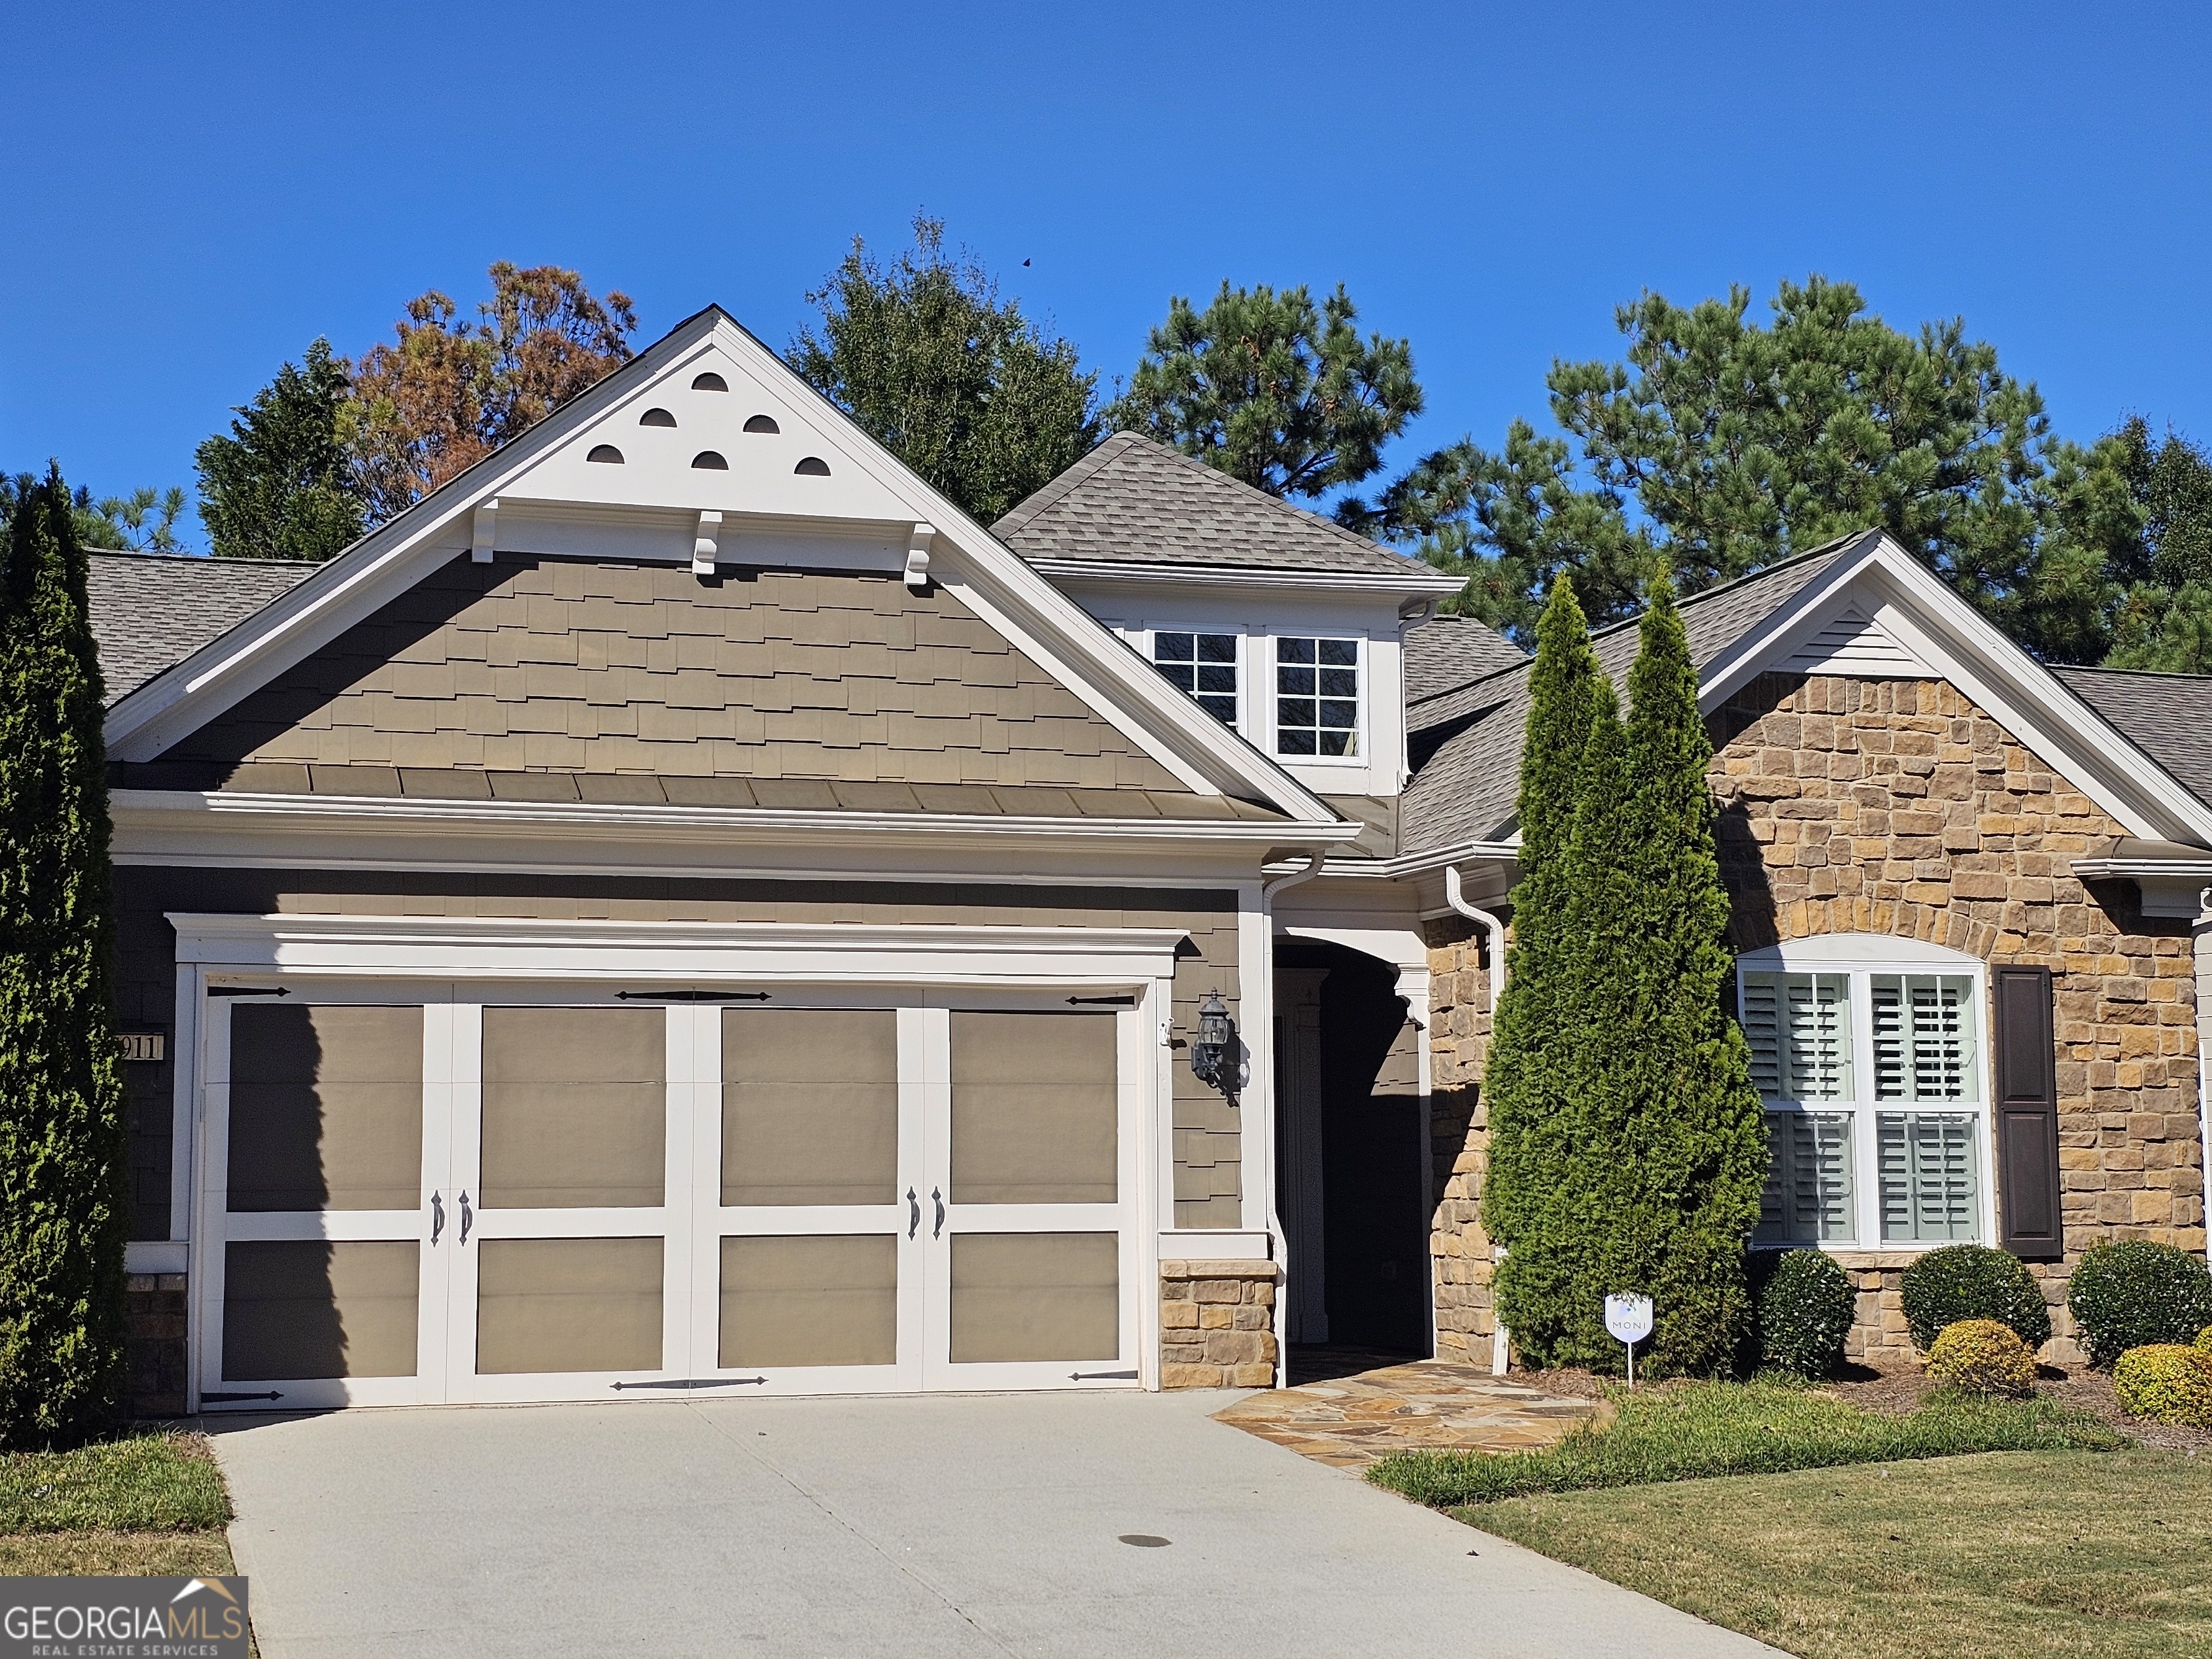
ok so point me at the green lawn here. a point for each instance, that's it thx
(2079, 1554)
(145, 1504)
(1690, 1431)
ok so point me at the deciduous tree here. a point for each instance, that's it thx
(64, 1185)
(954, 380)
(1271, 389)
(281, 484)
(441, 395)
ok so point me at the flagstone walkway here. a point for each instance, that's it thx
(1433, 1405)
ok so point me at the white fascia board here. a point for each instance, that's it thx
(1314, 581)
(2003, 680)
(1067, 642)
(680, 952)
(165, 827)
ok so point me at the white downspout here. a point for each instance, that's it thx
(1501, 1339)
(2204, 943)
(1491, 926)
(1278, 1244)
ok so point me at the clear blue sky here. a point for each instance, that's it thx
(198, 191)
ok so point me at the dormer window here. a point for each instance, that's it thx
(1317, 697)
(1204, 666)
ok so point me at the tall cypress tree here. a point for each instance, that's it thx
(63, 1186)
(1678, 1080)
(1522, 1079)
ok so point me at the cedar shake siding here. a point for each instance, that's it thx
(485, 675)
(1852, 805)
(1207, 1193)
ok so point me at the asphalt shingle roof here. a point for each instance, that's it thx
(1133, 501)
(2168, 716)
(1466, 742)
(151, 611)
(1445, 652)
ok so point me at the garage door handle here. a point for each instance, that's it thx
(437, 1217)
(938, 1198)
(467, 1215)
(914, 1213)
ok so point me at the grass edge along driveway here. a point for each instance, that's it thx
(2018, 1527)
(141, 1504)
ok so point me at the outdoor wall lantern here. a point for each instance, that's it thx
(1213, 1055)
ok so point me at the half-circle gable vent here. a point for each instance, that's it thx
(812, 467)
(1852, 643)
(607, 452)
(761, 424)
(708, 460)
(656, 417)
(708, 380)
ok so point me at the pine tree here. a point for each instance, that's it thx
(62, 1180)
(282, 485)
(1521, 1090)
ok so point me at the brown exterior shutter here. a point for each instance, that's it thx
(2028, 1221)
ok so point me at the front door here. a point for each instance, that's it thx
(546, 1195)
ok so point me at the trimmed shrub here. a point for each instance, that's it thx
(2135, 1294)
(1982, 1356)
(1971, 1281)
(2166, 1382)
(2204, 1340)
(1805, 1305)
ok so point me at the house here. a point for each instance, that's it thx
(685, 908)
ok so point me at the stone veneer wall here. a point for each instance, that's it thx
(1218, 1324)
(154, 1340)
(1897, 807)
(1459, 1046)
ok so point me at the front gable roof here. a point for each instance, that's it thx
(1133, 507)
(1860, 604)
(707, 441)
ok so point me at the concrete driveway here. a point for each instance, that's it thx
(913, 1527)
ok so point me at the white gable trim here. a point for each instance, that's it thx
(1924, 618)
(1033, 615)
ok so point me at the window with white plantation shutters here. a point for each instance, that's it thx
(1923, 1036)
(1807, 1198)
(1872, 1080)
(1923, 1044)
(1800, 1029)
(1930, 1193)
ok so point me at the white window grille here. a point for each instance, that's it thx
(1316, 696)
(1205, 666)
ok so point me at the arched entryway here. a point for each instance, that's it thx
(1352, 1162)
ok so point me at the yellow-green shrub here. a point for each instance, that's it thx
(1982, 1356)
(2166, 1381)
(2204, 1339)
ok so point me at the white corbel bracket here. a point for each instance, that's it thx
(484, 531)
(706, 543)
(917, 557)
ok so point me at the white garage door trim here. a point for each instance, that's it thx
(471, 961)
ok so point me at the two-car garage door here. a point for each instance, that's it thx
(440, 1196)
